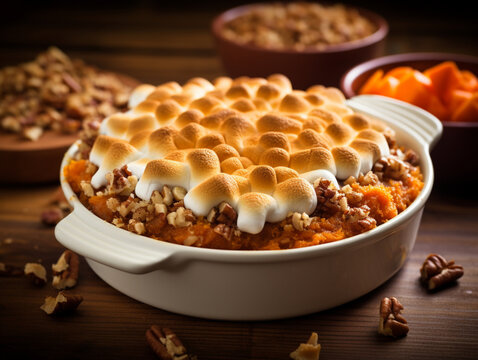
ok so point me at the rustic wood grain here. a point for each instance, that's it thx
(110, 325)
(154, 43)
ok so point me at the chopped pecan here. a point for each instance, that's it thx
(52, 216)
(10, 270)
(180, 218)
(392, 323)
(120, 181)
(411, 157)
(309, 350)
(436, 272)
(211, 217)
(167, 195)
(391, 167)
(63, 303)
(65, 271)
(179, 193)
(300, 221)
(36, 273)
(327, 205)
(227, 214)
(166, 344)
(224, 230)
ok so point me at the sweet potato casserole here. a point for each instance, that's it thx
(246, 163)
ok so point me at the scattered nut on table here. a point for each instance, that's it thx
(7, 270)
(166, 345)
(63, 303)
(36, 273)
(436, 272)
(309, 350)
(392, 323)
(65, 271)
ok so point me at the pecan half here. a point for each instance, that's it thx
(65, 271)
(10, 270)
(308, 351)
(36, 273)
(392, 323)
(436, 272)
(166, 345)
(61, 304)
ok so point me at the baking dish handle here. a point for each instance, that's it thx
(404, 115)
(109, 245)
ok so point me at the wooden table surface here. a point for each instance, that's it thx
(156, 44)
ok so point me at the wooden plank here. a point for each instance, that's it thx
(110, 325)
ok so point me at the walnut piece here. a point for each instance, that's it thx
(166, 345)
(392, 323)
(65, 271)
(309, 350)
(436, 272)
(61, 304)
(36, 273)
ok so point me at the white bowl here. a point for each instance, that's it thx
(258, 285)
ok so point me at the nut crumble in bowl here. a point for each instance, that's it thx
(244, 164)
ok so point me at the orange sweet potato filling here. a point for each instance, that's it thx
(384, 200)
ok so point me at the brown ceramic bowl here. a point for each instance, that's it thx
(454, 156)
(304, 68)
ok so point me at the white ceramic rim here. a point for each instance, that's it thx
(424, 128)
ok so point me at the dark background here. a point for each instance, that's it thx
(148, 36)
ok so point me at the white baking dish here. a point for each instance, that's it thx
(258, 285)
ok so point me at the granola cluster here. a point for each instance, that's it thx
(299, 26)
(59, 93)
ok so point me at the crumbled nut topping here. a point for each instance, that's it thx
(393, 167)
(392, 323)
(327, 203)
(226, 214)
(300, 221)
(178, 193)
(436, 272)
(166, 344)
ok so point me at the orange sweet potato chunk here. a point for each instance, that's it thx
(98, 206)
(388, 86)
(75, 173)
(371, 85)
(400, 72)
(469, 82)
(415, 89)
(445, 77)
(468, 111)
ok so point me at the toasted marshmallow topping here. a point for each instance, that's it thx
(254, 143)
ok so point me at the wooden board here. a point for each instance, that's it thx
(110, 325)
(26, 162)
